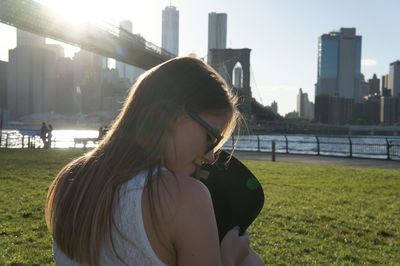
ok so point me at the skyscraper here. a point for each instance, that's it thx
(305, 108)
(170, 30)
(124, 70)
(394, 78)
(31, 78)
(363, 90)
(88, 78)
(339, 76)
(385, 91)
(301, 103)
(66, 96)
(339, 64)
(374, 85)
(274, 107)
(25, 38)
(390, 110)
(217, 30)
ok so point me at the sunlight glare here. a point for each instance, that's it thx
(82, 11)
(144, 15)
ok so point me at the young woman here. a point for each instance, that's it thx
(133, 199)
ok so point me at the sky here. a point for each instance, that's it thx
(282, 34)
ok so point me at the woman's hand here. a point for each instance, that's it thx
(234, 248)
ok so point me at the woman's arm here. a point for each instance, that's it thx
(195, 233)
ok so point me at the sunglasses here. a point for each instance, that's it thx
(214, 137)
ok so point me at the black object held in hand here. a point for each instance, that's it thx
(236, 193)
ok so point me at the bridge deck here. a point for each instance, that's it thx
(103, 39)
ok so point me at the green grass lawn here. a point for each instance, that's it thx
(313, 214)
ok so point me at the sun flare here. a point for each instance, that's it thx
(144, 15)
(81, 11)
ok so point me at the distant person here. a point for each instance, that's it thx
(102, 132)
(100, 135)
(136, 199)
(43, 133)
(105, 130)
(49, 136)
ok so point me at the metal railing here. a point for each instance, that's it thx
(342, 146)
(31, 139)
(9, 140)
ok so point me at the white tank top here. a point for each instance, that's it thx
(134, 246)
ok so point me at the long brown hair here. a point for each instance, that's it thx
(79, 201)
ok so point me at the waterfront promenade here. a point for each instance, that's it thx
(313, 159)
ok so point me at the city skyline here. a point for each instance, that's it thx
(283, 37)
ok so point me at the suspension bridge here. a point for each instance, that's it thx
(100, 38)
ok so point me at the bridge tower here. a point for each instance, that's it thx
(226, 62)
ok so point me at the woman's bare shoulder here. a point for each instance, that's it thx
(188, 222)
(193, 229)
(181, 191)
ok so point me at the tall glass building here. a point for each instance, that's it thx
(339, 76)
(339, 64)
(394, 78)
(217, 23)
(170, 30)
(217, 31)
